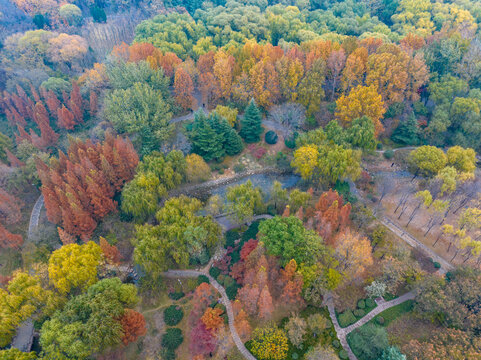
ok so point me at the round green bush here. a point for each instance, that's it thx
(346, 318)
(437, 265)
(173, 315)
(214, 272)
(168, 354)
(370, 303)
(271, 137)
(380, 320)
(359, 313)
(202, 279)
(361, 304)
(172, 338)
(295, 356)
(336, 343)
(343, 354)
(176, 295)
(290, 142)
(388, 154)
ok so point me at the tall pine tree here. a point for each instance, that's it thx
(407, 132)
(251, 127)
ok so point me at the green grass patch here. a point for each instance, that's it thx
(396, 311)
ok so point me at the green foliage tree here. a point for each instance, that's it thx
(369, 340)
(361, 134)
(251, 127)
(71, 14)
(212, 137)
(156, 174)
(392, 353)
(287, 238)
(15, 354)
(243, 201)
(89, 322)
(181, 237)
(137, 110)
(407, 132)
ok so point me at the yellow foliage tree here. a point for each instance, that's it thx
(228, 113)
(196, 169)
(269, 344)
(74, 266)
(361, 101)
(305, 161)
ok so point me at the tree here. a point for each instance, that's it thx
(264, 304)
(353, 253)
(445, 344)
(362, 134)
(183, 89)
(67, 48)
(311, 90)
(111, 253)
(140, 110)
(463, 160)
(197, 169)
(306, 160)
(317, 323)
(288, 117)
(10, 208)
(427, 160)
(407, 132)
(361, 101)
(23, 298)
(9, 240)
(251, 128)
(375, 289)
(133, 326)
(212, 319)
(269, 344)
(287, 238)
(392, 353)
(90, 322)
(181, 237)
(156, 174)
(370, 340)
(15, 354)
(71, 14)
(337, 163)
(278, 195)
(243, 201)
(74, 267)
(296, 329)
(65, 118)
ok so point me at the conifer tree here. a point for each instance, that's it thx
(251, 128)
(407, 132)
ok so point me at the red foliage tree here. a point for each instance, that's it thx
(133, 326)
(111, 253)
(78, 189)
(203, 341)
(9, 240)
(9, 208)
(53, 103)
(65, 118)
(247, 248)
(183, 89)
(65, 237)
(264, 304)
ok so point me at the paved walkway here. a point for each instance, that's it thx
(35, 216)
(343, 332)
(225, 300)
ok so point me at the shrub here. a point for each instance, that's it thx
(359, 313)
(370, 303)
(380, 320)
(290, 142)
(168, 354)
(369, 340)
(98, 14)
(173, 315)
(295, 356)
(388, 154)
(437, 265)
(176, 295)
(271, 137)
(214, 272)
(238, 168)
(230, 238)
(172, 338)
(231, 291)
(336, 343)
(361, 304)
(346, 318)
(379, 146)
(343, 354)
(202, 279)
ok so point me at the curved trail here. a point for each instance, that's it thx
(343, 332)
(225, 300)
(35, 216)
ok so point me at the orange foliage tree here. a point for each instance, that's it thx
(184, 89)
(133, 326)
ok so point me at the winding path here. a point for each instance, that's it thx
(35, 216)
(343, 332)
(225, 300)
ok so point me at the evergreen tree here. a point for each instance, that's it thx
(407, 132)
(205, 141)
(233, 143)
(251, 128)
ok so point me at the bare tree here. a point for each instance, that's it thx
(287, 117)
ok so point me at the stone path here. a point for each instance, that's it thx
(225, 300)
(35, 216)
(343, 332)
